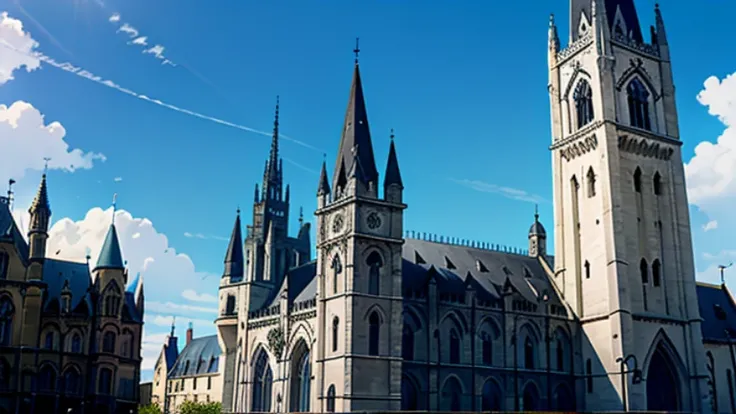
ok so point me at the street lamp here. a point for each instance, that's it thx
(623, 363)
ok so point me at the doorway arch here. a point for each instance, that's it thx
(663, 383)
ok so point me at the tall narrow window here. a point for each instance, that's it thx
(407, 343)
(560, 355)
(528, 353)
(657, 184)
(335, 333)
(49, 341)
(230, 305)
(47, 378)
(587, 269)
(374, 329)
(331, 399)
(336, 271)
(374, 273)
(591, 182)
(487, 350)
(108, 342)
(656, 268)
(454, 347)
(589, 375)
(637, 180)
(76, 344)
(262, 384)
(105, 384)
(583, 103)
(112, 300)
(638, 97)
(4, 264)
(71, 381)
(644, 271)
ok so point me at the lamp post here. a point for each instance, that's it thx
(623, 363)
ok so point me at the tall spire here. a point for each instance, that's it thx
(41, 201)
(659, 21)
(273, 158)
(234, 263)
(393, 174)
(355, 135)
(110, 256)
(554, 39)
(324, 185)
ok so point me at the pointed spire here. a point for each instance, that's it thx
(301, 217)
(288, 193)
(110, 256)
(324, 185)
(356, 134)
(234, 263)
(661, 34)
(255, 197)
(537, 229)
(41, 201)
(273, 157)
(173, 326)
(554, 40)
(393, 174)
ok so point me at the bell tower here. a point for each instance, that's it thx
(624, 257)
(359, 244)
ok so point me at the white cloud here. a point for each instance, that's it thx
(204, 237)
(192, 295)
(711, 225)
(128, 29)
(156, 50)
(118, 179)
(141, 41)
(114, 18)
(177, 308)
(166, 321)
(508, 192)
(711, 173)
(19, 48)
(26, 140)
(151, 348)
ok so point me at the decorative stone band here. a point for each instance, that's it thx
(640, 146)
(579, 148)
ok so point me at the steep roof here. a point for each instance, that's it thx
(110, 256)
(628, 13)
(393, 173)
(201, 356)
(234, 263)
(56, 272)
(9, 231)
(718, 310)
(41, 201)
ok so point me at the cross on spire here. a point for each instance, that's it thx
(392, 134)
(46, 165)
(357, 49)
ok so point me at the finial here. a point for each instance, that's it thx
(536, 212)
(46, 165)
(238, 210)
(357, 49)
(173, 324)
(301, 216)
(656, 6)
(551, 19)
(392, 134)
(114, 206)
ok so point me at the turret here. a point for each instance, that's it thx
(39, 226)
(537, 237)
(323, 189)
(553, 41)
(234, 262)
(393, 186)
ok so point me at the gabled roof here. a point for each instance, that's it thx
(110, 256)
(56, 273)
(201, 356)
(718, 310)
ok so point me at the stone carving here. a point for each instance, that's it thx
(579, 148)
(276, 341)
(575, 47)
(651, 50)
(373, 221)
(640, 146)
(337, 224)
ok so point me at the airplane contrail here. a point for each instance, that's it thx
(42, 28)
(81, 72)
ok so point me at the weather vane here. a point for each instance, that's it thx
(114, 206)
(722, 269)
(357, 49)
(46, 165)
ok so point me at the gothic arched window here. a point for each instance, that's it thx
(407, 343)
(451, 395)
(71, 381)
(454, 347)
(112, 300)
(657, 184)
(331, 399)
(583, 103)
(644, 271)
(637, 180)
(335, 333)
(529, 353)
(638, 98)
(108, 342)
(487, 344)
(47, 378)
(305, 381)
(230, 305)
(656, 269)
(560, 355)
(336, 271)
(374, 263)
(589, 375)
(7, 310)
(4, 264)
(591, 182)
(262, 385)
(491, 398)
(408, 395)
(48, 342)
(374, 329)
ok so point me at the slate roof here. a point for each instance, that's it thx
(200, 357)
(56, 272)
(718, 310)
(9, 231)
(302, 285)
(110, 255)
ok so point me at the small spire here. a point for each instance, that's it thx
(393, 173)
(173, 326)
(324, 185)
(536, 212)
(46, 165)
(301, 217)
(392, 134)
(234, 263)
(554, 39)
(357, 49)
(114, 206)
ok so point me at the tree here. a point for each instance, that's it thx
(149, 409)
(191, 407)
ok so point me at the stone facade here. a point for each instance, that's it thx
(68, 339)
(386, 319)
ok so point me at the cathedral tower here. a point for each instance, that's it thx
(359, 304)
(624, 258)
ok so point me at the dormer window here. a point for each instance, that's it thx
(418, 259)
(720, 313)
(507, 271)
(481, 267)
(449, 264)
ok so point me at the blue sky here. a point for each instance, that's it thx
(462, 83)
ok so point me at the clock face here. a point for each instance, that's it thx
(373, 221)
(337, 223)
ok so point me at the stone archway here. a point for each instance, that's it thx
(663, 383)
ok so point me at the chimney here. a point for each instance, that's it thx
(190, 333)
